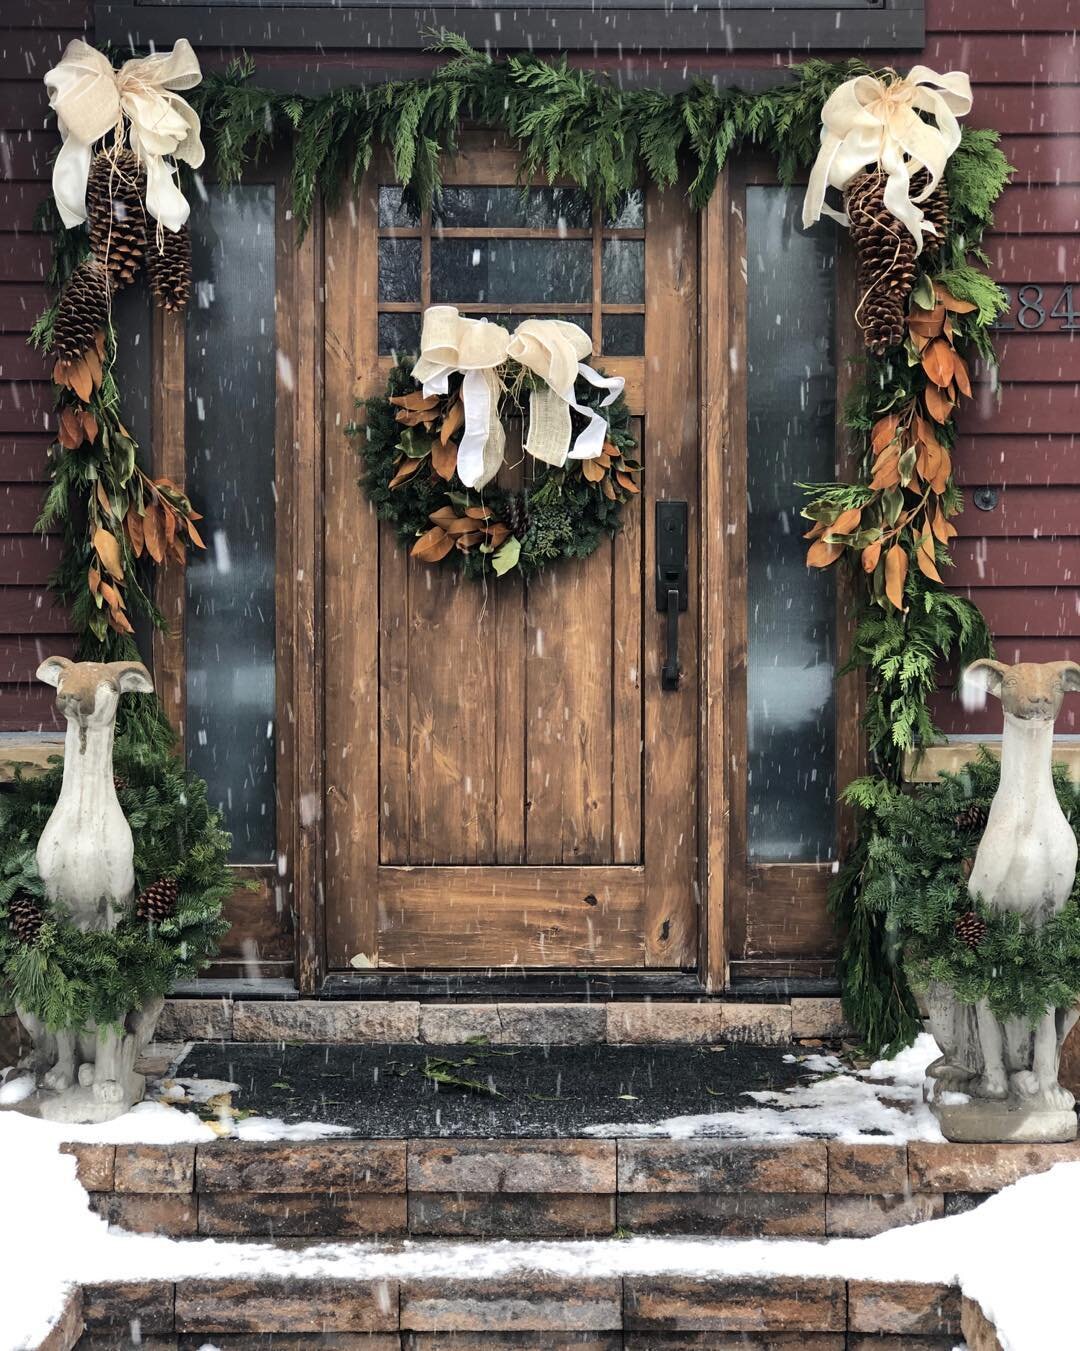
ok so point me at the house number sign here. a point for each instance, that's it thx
(1035, 307)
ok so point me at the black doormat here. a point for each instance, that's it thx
(390, 1091)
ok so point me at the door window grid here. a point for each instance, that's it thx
(603, 292)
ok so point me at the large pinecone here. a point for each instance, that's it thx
(158, 901)
(168, 262)
(516, 514)
(935, 209)
(885, 251)
(83, 311)
(970, 929)
(972, 817)
(117, 214)
(25, 917)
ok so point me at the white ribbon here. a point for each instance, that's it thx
(91, 99)
(551, 348)
(873, 121)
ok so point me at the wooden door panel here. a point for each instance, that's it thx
(507, 784)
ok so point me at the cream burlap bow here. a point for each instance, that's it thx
(876, 121)
(551, 348)
(91, 98)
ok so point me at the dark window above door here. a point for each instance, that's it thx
(627, 28)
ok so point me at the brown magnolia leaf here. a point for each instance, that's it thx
(896, 570)
(433, 545)
(884, 432)
(455, 418)
(818, 528)
(870, 556)
(107, 548)
(608, 488)
(444, 459)
(460, 525)
(112, 596)
(93, 365)
(176, 548)
(408, 418)
(416, 401)
(499, 533)
(960, 374)
(90, 425)
(593, 470)
(941, 480)
(103, 498)
(466, 541)
(478, 513)
(924, 556)
(99, 343)
(119, 621)
(445, 516)
(937, 362)
(406, 470)
(154, 532)
(93, 580)
(170, 524)
(919, 342)
(820, 554)
(951, 303)
(61, 374)
(610, 448)
(625, 481)
(80, 380)
(937, 404)
(133, 524)
(605, 460)
(927, 323)
(193, 534)
(70, 434)
(846, 522)
(886, 469)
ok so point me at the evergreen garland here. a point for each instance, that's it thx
(910, 872)
(567, 514)
(70, 979)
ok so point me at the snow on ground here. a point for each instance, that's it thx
(884, 1102)
(1014, 1254)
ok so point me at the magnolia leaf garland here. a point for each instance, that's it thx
(408, 445)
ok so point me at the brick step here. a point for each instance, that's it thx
(525, 1309)
(544, 1188)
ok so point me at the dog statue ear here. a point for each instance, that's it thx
(132, 676)
(987, 675)
(1070, 675)
(51, 669)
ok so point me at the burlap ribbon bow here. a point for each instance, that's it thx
(91, 99)
(551, 348)
(871, 121)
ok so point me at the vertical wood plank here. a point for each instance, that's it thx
(568, 716)
(169, 458)
(351, 609)
(507, 600)
(629, 593)
(395, 580)
(715, 345)
(671, 471)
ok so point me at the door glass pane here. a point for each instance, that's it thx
(230, 474)
(510, 208)
(399, 269)
(791, 409)
(512, 271)
(624, 271)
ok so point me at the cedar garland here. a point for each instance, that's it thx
(573, 124)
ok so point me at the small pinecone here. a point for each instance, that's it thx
(158, 901)
(117, 215)
(970, 929)
(83, 311)
(25, 917)
(170, 268)
(935, 209)
(972, 817)
(119, 783)
(516, 515)
(885, 252)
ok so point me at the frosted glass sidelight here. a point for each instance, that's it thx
(231, 359)
(791, 410)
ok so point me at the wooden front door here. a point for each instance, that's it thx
(507, 784)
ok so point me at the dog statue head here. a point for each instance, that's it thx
(1030, 691)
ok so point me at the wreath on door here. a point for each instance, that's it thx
(432, 445)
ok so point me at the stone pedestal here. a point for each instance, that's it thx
(980, 1122)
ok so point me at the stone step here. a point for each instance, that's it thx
(544, 1188)
(528, 1309)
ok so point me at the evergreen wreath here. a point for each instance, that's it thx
(910, 871)
(71, 979)
(408, 450)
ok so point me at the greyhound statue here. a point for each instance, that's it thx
(84, 858)
(1025, 863)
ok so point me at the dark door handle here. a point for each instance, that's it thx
(672, 580)
(669, 675)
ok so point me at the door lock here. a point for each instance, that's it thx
(672, 580)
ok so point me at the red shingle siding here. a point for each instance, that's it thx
(1020, 561)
